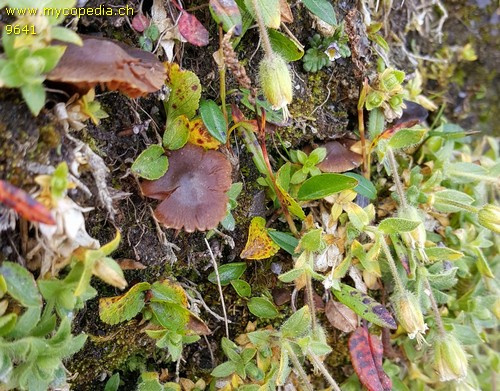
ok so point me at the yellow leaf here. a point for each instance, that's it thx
(259, 244)
(198, 135)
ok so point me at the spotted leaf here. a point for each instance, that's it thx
(113, 310)
(185, 93)
(199, 135)
(366, 356)
(259, 244)
(365, 306)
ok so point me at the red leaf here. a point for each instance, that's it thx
(366, 355)
(191, 29)
(25, 205)
(140, 23)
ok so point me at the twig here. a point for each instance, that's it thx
(219, 286)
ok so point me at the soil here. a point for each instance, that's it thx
(324, 108)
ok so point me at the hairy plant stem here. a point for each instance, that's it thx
(261, 161)
(310, 296)
(392, 264)
(266, 42)
(222, 79)
(397, 180)
(321, 367)
(414, 244)
(361, 127)
(298, 366)
(428, 288)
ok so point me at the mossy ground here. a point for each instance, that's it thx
(324, 106)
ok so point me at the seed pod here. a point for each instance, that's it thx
(450, 361)
(276, 81)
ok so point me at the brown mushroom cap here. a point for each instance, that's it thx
(113, 64)
(339, 158)
(193, 190)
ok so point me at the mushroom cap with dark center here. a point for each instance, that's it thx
(339, 158)
(131, 71)
(193, 190)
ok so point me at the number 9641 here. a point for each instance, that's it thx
(17, 30)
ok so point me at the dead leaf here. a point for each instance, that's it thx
(366, 353)
(286, 12)
(130, 264)
(341, 317)
(191, 29)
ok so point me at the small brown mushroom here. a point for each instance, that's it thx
(339, 158)
(193, 190)
(113, 64)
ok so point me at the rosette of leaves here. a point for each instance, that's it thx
(28, 57)
(323, 51)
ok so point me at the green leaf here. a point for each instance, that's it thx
(442, 254)
(393, 225)
(7, 323)
(364, 187)
(34, 96)
(21, 285)
(365, 306)
(291, 275)
(113, 383)
(173, 317)
(242, 288)
(357, 215)
(450, 201)
(177, 134)
(185, 95)
(262, 307)
(311, 240)
(113, 310)
(65, 35)
(406, 138)
(284, 46)
(269, 9)
(228, 273)
(168, 291)
(227, 13)
(214, 120)
(323, 185)
(465, 172)
(285, 240)
(323, 9)
(224, 369)
(151, 163)
(297, 324)
(150, 382)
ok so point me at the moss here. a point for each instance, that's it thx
(109, 353)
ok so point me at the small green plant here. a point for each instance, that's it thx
(149, 37)
(28, 57)
(324, 51)
(164, 305)
(308, 163)
(387, 93)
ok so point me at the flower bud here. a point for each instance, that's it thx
(489, 217)
(374, 99)
(276, 81)
(418, 236)
(110, 272)
(409, 314)
(390, 80)
(397, 102)
(450, 360)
